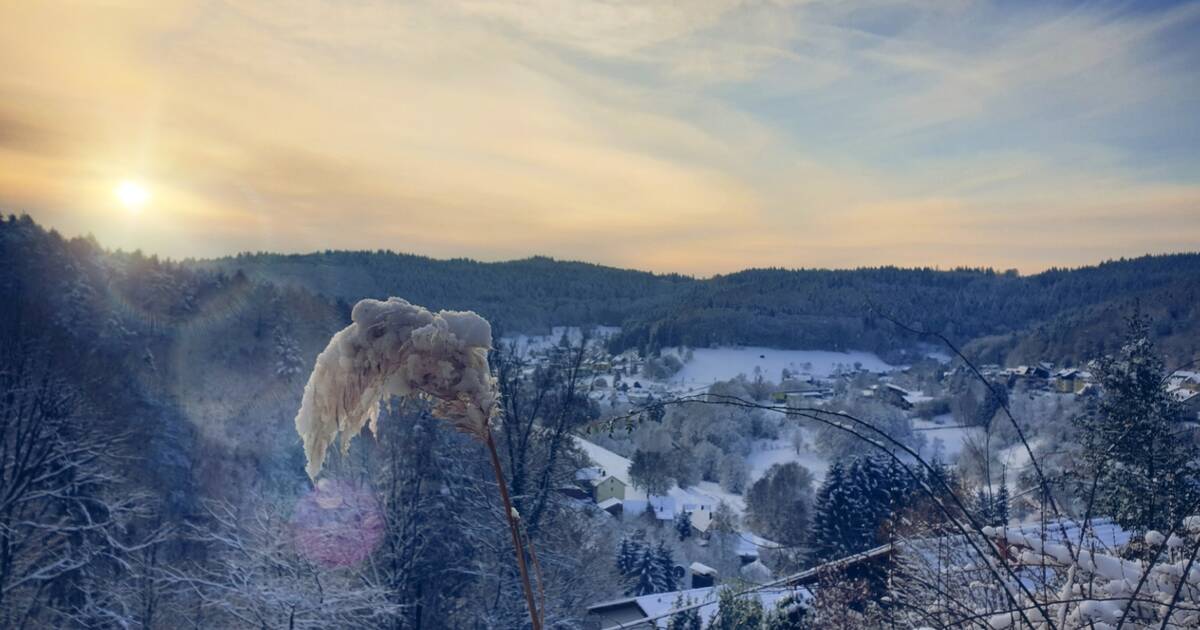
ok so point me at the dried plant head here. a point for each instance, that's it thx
(395, 348)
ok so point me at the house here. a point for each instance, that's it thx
(653, 611)
(748, 546)
(1184, 379)
(604, 485)
(590, 474)
(894, 395)
(700, 514)
(663, 508)
(612, 505)
(803, 397)
(1071, 380)
(608, 488)
(573, 492)
(1034, 375)
(702, 575)
(756, 573)
(1190, 401)
(620, 613)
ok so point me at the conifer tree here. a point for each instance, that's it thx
(1146, 475)
(829, 537)
(683, 525)
(983, 507)
(627, 554)
(855, 504)
(652, 571)
(644, 572)
(684, 619)
(736, 612)
(1000, 505)
(665, 564)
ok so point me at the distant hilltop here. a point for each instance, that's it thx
(1061, 315)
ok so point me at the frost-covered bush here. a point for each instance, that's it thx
(835, 443)
(1101, 590)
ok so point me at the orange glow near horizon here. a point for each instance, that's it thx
(700, 141)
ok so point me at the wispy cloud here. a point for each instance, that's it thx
(703, 137)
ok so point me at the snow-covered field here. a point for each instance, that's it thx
(528, 343)
(709, 365)
(767, 453)
(943, 428)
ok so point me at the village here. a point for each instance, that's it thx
(703, 524)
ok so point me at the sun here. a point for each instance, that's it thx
(132, 195)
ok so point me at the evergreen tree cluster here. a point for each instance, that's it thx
(853, 505)
(992, 507)
(645, 568)
(685, 619)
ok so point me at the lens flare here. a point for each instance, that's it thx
(337, 525)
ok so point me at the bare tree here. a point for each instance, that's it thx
(69, 524)
(257, 576)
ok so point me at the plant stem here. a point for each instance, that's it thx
(514, 528)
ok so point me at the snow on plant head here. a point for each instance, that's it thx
(394, 348)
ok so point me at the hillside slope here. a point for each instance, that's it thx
(1060, 314)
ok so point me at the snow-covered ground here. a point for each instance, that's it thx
(1016, 460)
(529, 343)
(705, 492)
(767, 453)
(943, 428)
(709, 365)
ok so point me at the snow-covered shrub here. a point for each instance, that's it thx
(1101, 590)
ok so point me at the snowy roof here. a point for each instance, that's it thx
(1181, 376)
(705, 493)
(595, 473)
(749, 545)
(756, 572)
(701, 569)
(608, 503)
(663, 507)
(913, 398)
(1183, 395)
(612, 463)
(658, 606)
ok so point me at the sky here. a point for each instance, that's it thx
(698, 136)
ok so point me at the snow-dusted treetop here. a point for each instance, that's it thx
(394, 348)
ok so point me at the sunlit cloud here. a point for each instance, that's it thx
(698, 137)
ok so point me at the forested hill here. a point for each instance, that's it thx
(529, 295)
(1059, 314)
(1070, 312)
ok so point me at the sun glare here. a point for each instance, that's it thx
(132, 195)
